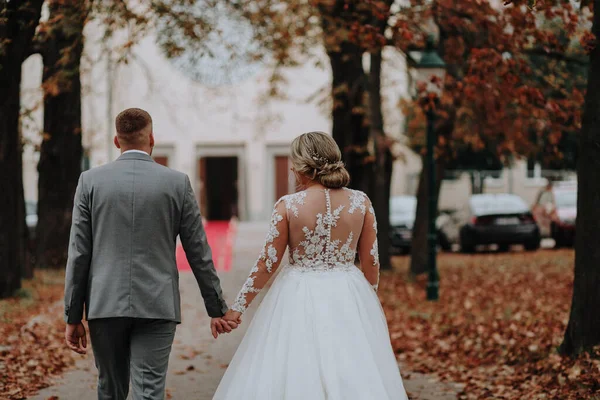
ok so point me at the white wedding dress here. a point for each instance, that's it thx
(320, 332)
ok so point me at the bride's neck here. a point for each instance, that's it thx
(314, 185)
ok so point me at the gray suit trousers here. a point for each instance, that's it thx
(131, 348)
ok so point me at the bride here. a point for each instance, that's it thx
(320, 332)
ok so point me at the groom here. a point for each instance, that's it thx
(121, 266)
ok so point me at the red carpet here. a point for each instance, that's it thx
(220, 236)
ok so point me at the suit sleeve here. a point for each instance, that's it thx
(199, 254)
(80, 255)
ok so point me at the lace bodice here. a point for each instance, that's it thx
(324, 229)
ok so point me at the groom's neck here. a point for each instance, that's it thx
(146, 149)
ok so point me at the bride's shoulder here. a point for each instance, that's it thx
(358, 200)
(288, 199)
(291, 202)
(355, 194)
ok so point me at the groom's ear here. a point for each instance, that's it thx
(116, 141)
(152, 139)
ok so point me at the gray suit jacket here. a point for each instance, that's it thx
(126, 219)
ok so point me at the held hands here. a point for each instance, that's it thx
(75, 338)
(230, 321)
(233, 316)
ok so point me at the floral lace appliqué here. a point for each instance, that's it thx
(375, 249)
(357, 201)
(268, 255)
(292, 200)
(375, 253)
(318, 247)
(372, 211)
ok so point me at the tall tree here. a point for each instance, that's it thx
(18, 22)
(61, 149)
(490, 99)
(348, 89)
(583, 329)
(352, 29)
(181, 27)
(383, 160)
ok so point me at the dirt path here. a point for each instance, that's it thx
(198, 361)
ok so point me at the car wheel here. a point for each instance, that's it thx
(503, 248)
(444, 242)
(466, 245)
(558, 237)
(467, 249)
(532, 245)
(568, 240)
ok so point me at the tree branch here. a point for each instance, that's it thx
(556, 55)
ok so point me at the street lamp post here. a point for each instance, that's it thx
(427, 65)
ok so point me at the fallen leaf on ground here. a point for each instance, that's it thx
(496, 327)
(32, 351)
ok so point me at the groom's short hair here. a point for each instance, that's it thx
(131, 125)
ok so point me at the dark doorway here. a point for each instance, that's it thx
(162, 160)
(219, 187)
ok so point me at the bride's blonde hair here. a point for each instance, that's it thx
(317, 156)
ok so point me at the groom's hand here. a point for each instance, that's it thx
(219, 326)
(76, 338)
(233, 317)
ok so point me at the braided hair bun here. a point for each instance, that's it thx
(317, 156)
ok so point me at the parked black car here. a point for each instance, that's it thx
(402, 218)
(501, 219)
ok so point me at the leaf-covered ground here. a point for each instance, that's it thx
(31, 342)
(496, 327)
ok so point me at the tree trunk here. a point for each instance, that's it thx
(350, 127)
(61, 150)
(383, 162)
(583, 329)
(419, 254)
(18, 21)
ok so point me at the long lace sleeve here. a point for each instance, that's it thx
(268, 260)
(368, 251)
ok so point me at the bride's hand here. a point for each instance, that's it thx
(233, 316)
(219, 326)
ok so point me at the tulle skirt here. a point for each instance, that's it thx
(317, 335)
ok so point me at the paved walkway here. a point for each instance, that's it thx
(198, 361)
